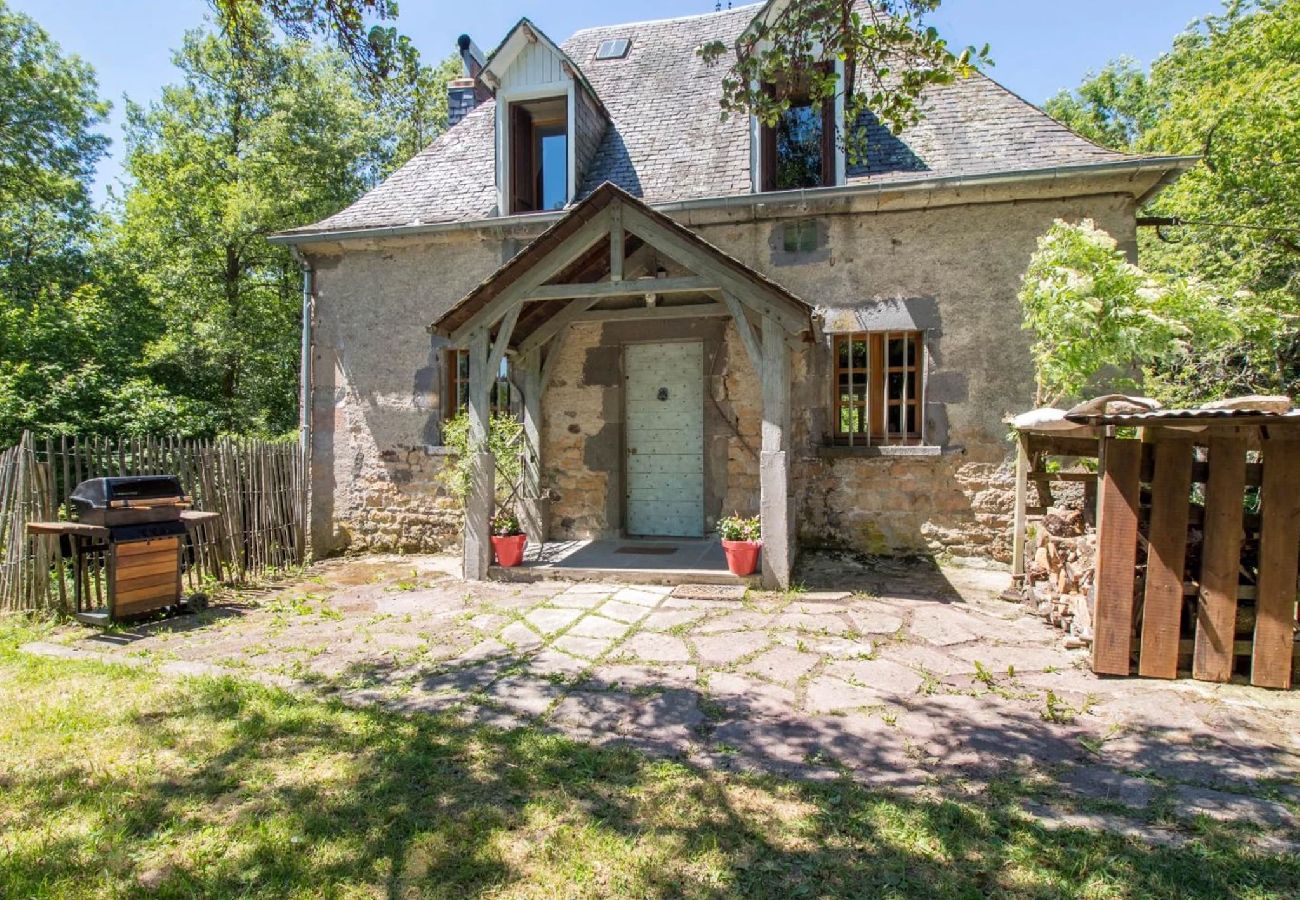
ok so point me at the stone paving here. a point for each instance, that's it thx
(904, 676)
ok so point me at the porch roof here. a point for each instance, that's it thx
(573, 261)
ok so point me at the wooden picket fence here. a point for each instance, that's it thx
(257, 487)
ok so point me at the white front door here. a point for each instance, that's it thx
(665, 439)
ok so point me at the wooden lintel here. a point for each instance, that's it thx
(690, 311)
(629, 288)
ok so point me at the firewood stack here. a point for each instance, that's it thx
(1059, 577)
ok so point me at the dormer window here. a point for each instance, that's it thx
(799, 150)
(549, 122)
(539, 155)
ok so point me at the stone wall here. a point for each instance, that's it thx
(953, 272)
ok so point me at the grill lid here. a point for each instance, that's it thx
(101, 493)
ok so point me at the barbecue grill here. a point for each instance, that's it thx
(131, 529)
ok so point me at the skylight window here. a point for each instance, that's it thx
(615, 48)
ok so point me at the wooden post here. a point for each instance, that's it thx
(1117, 520)
(1216, 607)
(616, 241)
(533, 507)
(481, 497)
(776, 503)
(1279, 556)
(1163, 599)
(1022, 498)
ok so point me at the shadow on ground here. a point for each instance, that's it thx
(242, 790)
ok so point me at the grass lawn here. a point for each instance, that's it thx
(116, 781)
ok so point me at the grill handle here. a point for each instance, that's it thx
(153, 501)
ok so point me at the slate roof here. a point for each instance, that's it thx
(667, 141)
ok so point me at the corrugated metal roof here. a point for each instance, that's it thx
(1173, 417)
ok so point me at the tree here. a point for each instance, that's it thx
(344, 22)
(889, 55)
(259, 136)
(1227, 91)
(1102, 323)
(52, 324)
(1114, 107)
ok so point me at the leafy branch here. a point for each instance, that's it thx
(889, 58)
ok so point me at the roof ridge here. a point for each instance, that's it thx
(665, 21)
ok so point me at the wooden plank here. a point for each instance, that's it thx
(617, 239)
(128, 586)
(633, 287)
(555, 324)
(141, 566)
(1022, 500)
(1216, 608)
(1117, 521)
(690, 311)
(1279, 557)
(1167, 541)
(1058, 445)
(744, 329)
(154, 546)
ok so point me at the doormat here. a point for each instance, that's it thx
(710, 591)
(647, 550)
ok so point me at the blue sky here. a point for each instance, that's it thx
(1038, 47)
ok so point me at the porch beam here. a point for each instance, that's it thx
(533, 507)
(477, 545)
(625, 288)
(745, 329)
(776, 503)
(616, 238)
(692, 311)
(701, 262)
(556, 323)
(552, 263)
(503, 339)
(552, 357)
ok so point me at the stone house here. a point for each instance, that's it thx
(696, 315)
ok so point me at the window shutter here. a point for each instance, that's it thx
(523, 183)
(828, 142)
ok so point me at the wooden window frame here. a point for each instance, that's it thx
(767, 145)
(524, 162)
(453, 401)
(878, 401)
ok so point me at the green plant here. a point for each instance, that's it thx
(738, 528)
(506, 524)
(503, 440)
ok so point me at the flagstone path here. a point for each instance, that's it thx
(904, 676)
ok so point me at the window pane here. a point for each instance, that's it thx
(554, 189)
(462, 364)
(852, 420)
(896, 348)
(896, 382)
(799, 148)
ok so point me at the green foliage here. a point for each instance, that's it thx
(1227, 90)
(343, 22)
(740, 528)
(172, 313)
(506, 524)
(1099, 321)
(505, 433)
(1113, 107)
(890, 58)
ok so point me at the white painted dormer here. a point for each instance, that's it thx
(549, 122)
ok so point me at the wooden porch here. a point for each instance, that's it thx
(603, 262)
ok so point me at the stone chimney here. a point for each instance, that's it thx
(466, 92)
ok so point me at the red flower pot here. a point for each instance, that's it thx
(509, 549)
(742, 556)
